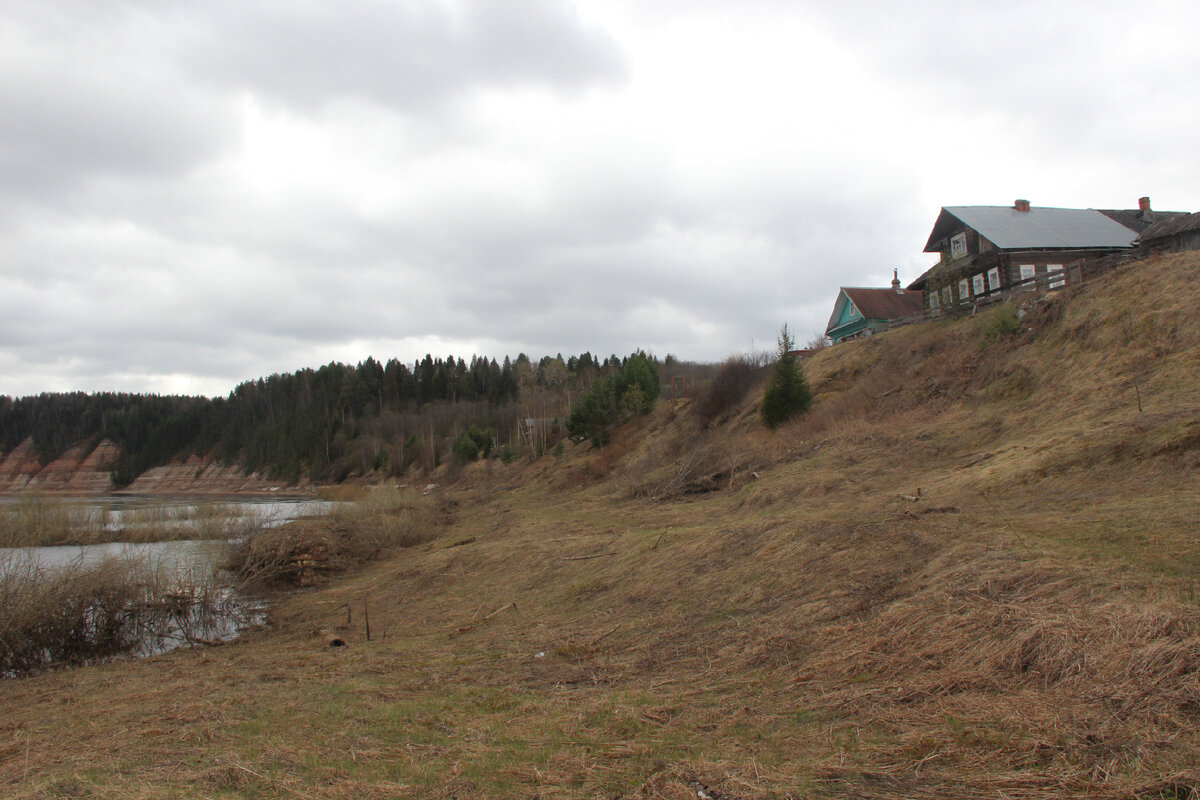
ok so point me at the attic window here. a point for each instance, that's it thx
(958, 245)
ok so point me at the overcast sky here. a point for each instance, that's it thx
(195, 194)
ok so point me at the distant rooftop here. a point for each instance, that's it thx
(1171, 227)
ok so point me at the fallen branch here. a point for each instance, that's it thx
(585, 558)
(976, 460)
(501, 608)
(471, 625)
(605, 636)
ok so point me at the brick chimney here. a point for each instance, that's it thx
(1021, 205)
(896, 281)
(1144, 212)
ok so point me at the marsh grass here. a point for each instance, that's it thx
(38, 520)
(84, 611)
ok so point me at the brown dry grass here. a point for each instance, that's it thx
(1027, 629)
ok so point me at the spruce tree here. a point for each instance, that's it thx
(787, 393)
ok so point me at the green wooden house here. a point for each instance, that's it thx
(860, 312)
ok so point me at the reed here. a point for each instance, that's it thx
(37, 520)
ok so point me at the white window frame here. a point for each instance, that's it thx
(977, 284)
(1056, 278)
(964, 290)
(947, 296)
(1028, 272)
(958, 245)
(933, 303)
(993, 278)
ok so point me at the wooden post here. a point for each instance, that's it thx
(367, 619)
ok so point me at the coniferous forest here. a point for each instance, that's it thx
(333, 422)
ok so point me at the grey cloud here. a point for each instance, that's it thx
(91, 99)
(409, 55)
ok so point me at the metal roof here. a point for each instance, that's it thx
(1037, 228)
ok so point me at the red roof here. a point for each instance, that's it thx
(885, 303)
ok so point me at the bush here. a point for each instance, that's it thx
(472, 444)
(1003, 321)
(787, 393)
(728, 388)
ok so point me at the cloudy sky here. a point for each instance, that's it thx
(194, 194)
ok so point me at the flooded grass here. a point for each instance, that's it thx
(38, 520)
(82, 583)
(88, 610)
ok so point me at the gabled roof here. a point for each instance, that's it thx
(1036, 229)
(885, 303)
(877, 304)
(1171, 227)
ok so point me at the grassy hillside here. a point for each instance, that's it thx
(731, 612)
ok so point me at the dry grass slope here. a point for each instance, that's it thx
(730, 612)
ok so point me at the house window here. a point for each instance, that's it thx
(993, 279)
(958, 245)
(1056, 278)
(1028, 273)
(964, 290)
(933, 303)
(977, 284)
(947, 297)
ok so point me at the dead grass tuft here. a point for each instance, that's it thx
(306, 552)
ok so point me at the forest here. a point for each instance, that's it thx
(335, 421)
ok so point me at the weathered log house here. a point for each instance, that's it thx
(988, 252)
(1172, 235)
